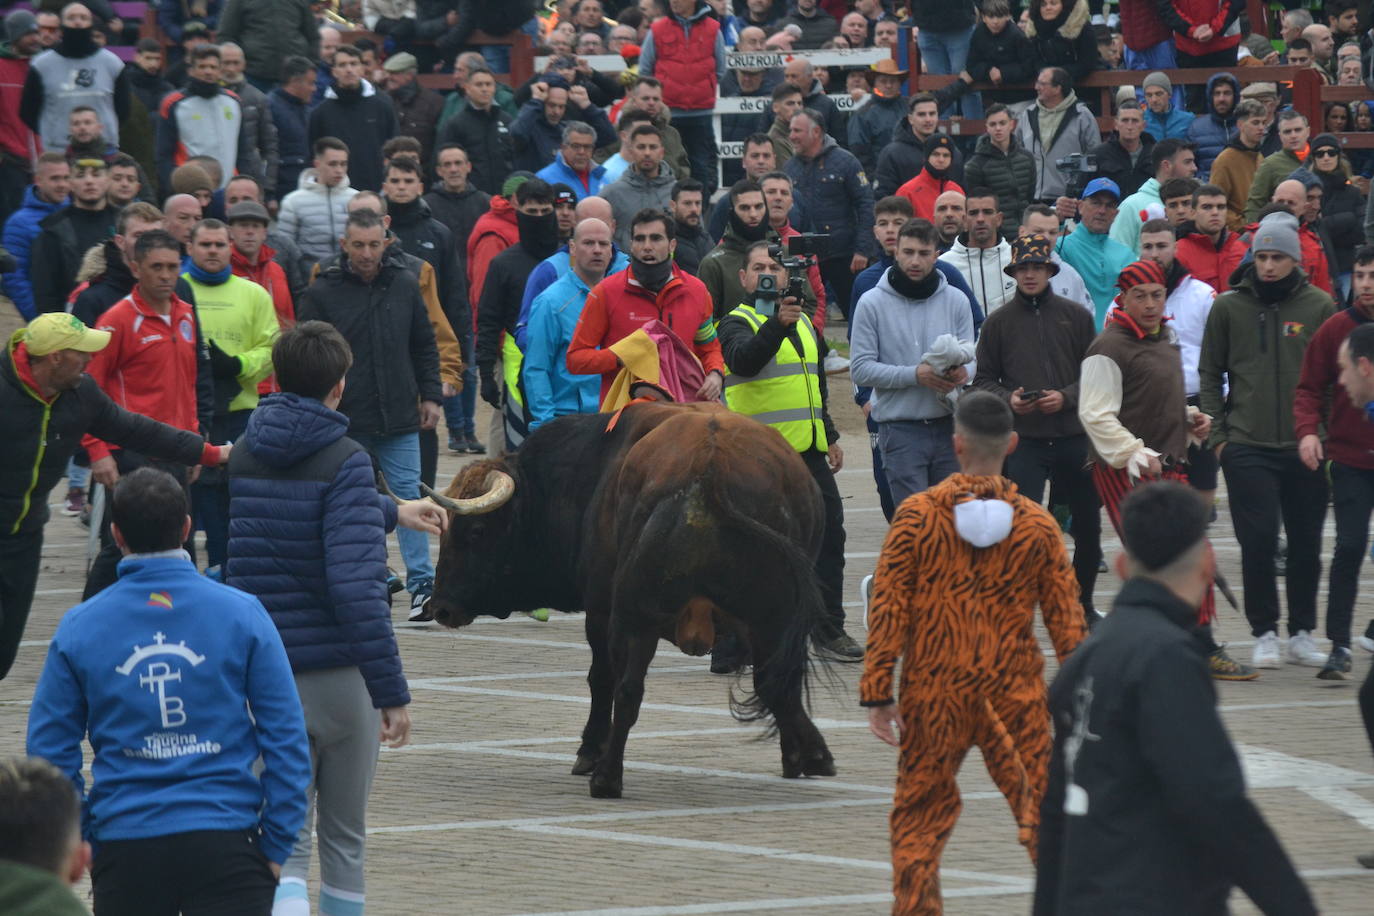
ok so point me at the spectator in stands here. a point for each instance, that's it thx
(290, 107)
(945, 31)
(492, 18)
(482, 129)
(1323, 51)
(1169, 159)
(835, 194)
(538, 131)
(1292, 25)
(393, 20)
(84, 136)
(48, 194)
(1098, 258)
(314, 214)
(271, 32)
(78, 72)
(573, 163)
(693, 241)
(901, 160)
(872, 124)
(67, 234)
(417, 108)
(685, 52)
(18, 143)
(1124, 157)
(258, 123)
(800, 73)
(43, 854)
(1044, 135)
(817, 26)
(1061, 37)
(354, 111)
(1204, 36)
(1163, 120)
(1293, 133)
(204, 120)
(1211, 132)
(173, 15)
(999, 52)
(1002, 165)
(193, 35)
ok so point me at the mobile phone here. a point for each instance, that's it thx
(1032, 395)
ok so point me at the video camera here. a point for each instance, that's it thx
(1076, 169)
(803, 250)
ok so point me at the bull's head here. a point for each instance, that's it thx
(474, 552)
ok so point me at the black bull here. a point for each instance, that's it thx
(676, 522)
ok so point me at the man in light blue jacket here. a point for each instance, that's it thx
(895, 324)
(550, 390)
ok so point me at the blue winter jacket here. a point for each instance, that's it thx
(550, 389)
(1174, 123)
(292, 117)
(543, 276)
(156, 670)
(20, 231)
(837, 197)
(307, 536)
(559, 170)
(1210, 133)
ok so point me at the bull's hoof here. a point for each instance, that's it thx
(584, 765)
(606, 786)
(795, 768)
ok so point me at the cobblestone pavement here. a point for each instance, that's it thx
(480, 815)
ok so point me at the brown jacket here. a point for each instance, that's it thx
(1132, 393)
(1233, 171)
(1036, 347)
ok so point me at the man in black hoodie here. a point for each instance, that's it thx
(1146, 808)
(355, 112)
(499, 308)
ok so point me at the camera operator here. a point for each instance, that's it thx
(773, 357)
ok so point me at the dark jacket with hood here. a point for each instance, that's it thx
(459, 211)
(693, 244)
(291, 117)
(395, 359)
(537, 141)
(871, 126)
(1009, 51)
(430, 240)
(269, 31)
(504, 286)
(417, 113)
(1067, 41)
(1010, 175)
(1211, 132)
(364, 119)
(64, 238)
(1166, 825)
(485, 136)
(1115, 163)
(901, 160)
(308, 540)
(261, 129)
(1343, 209)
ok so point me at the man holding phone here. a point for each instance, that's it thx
(1029, 354)
(773, 357)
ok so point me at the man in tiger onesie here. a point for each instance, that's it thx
(963, 568)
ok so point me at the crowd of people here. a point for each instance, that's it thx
(255, 270)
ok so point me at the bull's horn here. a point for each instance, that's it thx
(385, 489)
(500, 488)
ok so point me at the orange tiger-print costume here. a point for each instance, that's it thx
(961, 619)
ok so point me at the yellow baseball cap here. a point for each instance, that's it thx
(55, 331)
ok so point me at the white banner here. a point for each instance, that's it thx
(757, 104)
(601, 63)
(751, 60)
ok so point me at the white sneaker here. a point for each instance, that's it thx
(1266, 653)
(1302, 650)
(835, 364)
(866, 590)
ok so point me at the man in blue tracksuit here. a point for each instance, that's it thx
(181, 685)
(307, 536)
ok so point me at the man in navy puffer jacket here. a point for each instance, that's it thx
(307, 536)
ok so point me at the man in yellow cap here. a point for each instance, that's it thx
(47, 403)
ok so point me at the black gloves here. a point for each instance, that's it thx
(491, 391)
(222, 365)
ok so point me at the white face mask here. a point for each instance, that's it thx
(983, 522)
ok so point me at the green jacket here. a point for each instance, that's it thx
(1259, 349)
(28, 891)
(1274, 169)
(238, 317)
(456, 102)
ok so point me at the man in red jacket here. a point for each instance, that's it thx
(1348, 453)
(149, 367)
(19, 146)
(1210, 251)
(494, 232)
(653, 288)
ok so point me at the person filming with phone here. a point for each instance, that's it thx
(773, 359)
(1030, 354)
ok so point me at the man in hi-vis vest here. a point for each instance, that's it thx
(773, 357)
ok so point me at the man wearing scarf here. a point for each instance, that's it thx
(204, 119)
(76, 72)
(746, 224)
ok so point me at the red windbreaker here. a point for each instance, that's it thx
(495, 231)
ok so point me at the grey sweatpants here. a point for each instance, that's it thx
(344, 729)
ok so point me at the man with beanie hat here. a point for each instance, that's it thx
(19, 146)
(1145, 809)
(1163, 120)
(77, 72)
(1255, 338)
(1030, 353)
(933, 179)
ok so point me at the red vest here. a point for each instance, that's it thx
(1141, 25)
(1204, 12)
(686, 64)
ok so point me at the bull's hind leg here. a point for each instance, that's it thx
(601, 680)
(630, 655)
(779, 669)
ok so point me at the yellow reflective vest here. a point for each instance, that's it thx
(786, 395)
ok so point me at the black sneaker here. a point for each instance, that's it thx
(1337, 665)
(472, 446)
(457, 445)
(1366, 642)
(1223, 667)
(394, 583)
(841, 648)
(1366, 861)
(419, 603)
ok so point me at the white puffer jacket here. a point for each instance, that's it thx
(983, 269)
(313, 216)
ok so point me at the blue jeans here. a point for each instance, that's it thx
(917, 454)
(460, 409)
(947, 52)
(399, 458)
